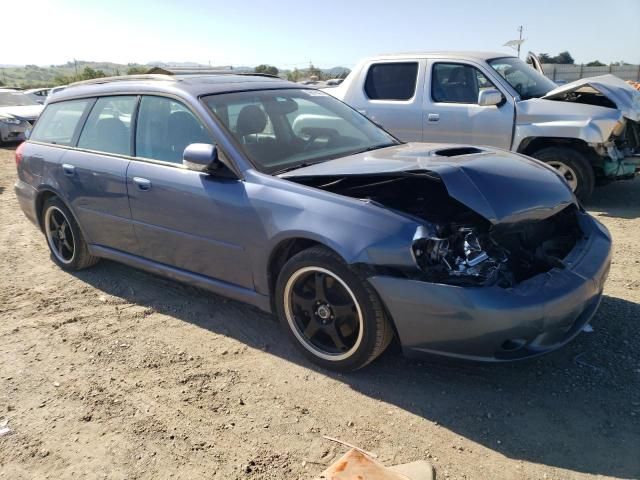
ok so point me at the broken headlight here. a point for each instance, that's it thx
(462, 256)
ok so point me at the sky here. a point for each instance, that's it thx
(328, 33)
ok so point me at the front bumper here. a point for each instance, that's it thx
(13, 133)
(496, 324)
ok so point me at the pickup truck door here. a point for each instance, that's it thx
(390, 94)
(451, 110)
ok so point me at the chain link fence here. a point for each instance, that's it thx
(568, 73)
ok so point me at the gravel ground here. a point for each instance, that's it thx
(115, 373)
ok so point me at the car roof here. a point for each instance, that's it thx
(188, 85)
(476, 55)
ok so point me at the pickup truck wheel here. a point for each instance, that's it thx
(68, 247)
(573, 166)
(330, 311)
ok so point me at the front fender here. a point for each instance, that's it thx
(556, 119)
(358, 231)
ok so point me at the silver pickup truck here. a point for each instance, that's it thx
(589, 129)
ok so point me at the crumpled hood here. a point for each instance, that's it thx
(23, 112)
(501, 186)
(625, 97)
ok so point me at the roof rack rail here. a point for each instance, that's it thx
(124, 78)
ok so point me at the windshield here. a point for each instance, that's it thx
(15, 99)
(280, 130)
(528, 82)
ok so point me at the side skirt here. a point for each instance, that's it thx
(206, 283)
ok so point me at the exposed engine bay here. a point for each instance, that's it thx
(458, 246)
(499, 255)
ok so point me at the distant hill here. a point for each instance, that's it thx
(32, 76)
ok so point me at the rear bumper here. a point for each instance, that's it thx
(495, 324)
(26, 196)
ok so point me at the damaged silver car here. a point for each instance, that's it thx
(286, 198)
(589, 130)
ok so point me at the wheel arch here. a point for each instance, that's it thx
(530, 145)
(289, 247)
(281, 253)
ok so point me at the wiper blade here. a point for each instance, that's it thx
(294, 167)
(374, 147)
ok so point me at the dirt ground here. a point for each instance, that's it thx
(115, 373)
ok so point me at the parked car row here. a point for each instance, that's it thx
(282, 196)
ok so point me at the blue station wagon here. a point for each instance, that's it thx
(283, 197)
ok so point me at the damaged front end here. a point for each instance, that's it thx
(455, 244)
(483, 255)
(620, 152)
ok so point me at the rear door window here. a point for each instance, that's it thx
(59, 121)
(108, 127)
(391, 81)
(165, 128)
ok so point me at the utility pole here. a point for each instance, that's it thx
(75, 64)
(515, 44)
(519, 39)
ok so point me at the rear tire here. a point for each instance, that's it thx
(573, 165)
(330, 311)
(68, 248)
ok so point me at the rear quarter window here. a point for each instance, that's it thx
(59, 121)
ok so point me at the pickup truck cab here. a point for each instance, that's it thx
(588, 130)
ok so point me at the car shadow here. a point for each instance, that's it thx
(571, 409)
(617, 199)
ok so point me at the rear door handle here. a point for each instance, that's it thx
(142, 183)
(69, 170)
(433, 117)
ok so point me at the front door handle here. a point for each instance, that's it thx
(433, 117)
(142, 183)
(69, 170)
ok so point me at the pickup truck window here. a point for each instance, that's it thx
(457, 83)
(391, 81)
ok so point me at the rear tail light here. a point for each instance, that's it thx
(19, 154)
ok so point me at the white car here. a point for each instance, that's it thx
(18, 113)
(38, 94)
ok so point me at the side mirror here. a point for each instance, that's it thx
(489, 97)
(201, 157)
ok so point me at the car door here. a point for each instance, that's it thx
(451, 110)
(93, 175)
(183, 218)
(392, 97)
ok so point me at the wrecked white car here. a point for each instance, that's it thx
(589, 129)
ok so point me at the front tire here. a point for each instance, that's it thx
(573, 166)
(330, 311)
(68, 248)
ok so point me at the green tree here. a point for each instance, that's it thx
(595, 63)
(545, 58)
(268, 69)
(134, 70)
(88, 73)
(564, 58)
(314, 71)
(294, 75)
